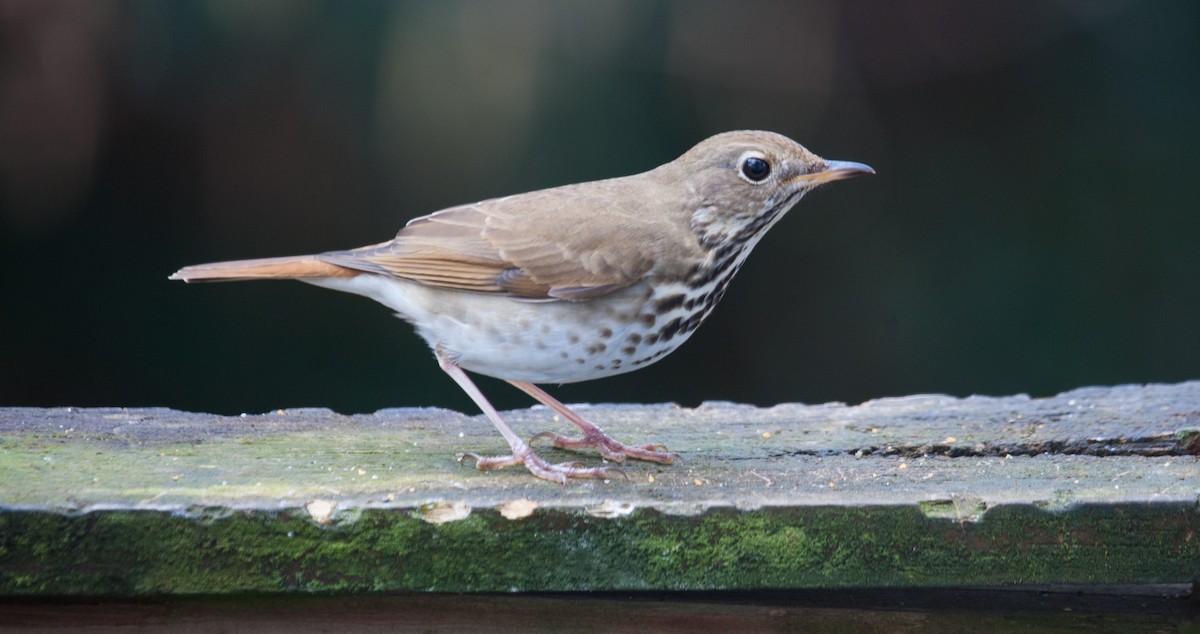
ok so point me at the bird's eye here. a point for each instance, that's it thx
(756, 169)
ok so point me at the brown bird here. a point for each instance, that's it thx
(571, 283)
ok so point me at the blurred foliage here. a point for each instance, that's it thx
(1032, 228)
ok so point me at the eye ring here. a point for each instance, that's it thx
(755, 168)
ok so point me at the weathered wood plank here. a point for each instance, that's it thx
(1098, 485)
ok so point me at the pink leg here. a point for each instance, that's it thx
(521, 452)
(593, 436)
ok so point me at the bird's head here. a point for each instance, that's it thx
(739, 184)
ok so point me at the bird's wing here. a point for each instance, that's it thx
(560, 243)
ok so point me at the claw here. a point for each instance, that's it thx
(593, 436)
(559, 472)
(483, 463)
(609, 448)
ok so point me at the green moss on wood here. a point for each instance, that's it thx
(147, 552)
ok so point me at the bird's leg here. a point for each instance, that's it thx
(521, 452)
(593, 436)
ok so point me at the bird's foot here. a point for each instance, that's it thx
(554, 472)
(610, 448)
(593, 436)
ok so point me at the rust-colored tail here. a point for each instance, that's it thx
(288, 268)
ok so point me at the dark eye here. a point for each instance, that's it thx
(756, 169)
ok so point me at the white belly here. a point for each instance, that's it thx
(535, 341)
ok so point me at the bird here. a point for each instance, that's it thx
(571, 283)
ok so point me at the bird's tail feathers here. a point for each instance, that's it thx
(286, 268)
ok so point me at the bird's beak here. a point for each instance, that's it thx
(834, 171)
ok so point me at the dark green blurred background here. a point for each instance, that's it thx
(1032, 228)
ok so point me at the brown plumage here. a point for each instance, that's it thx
(575, 282)
(285, 268)
(493, 247)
